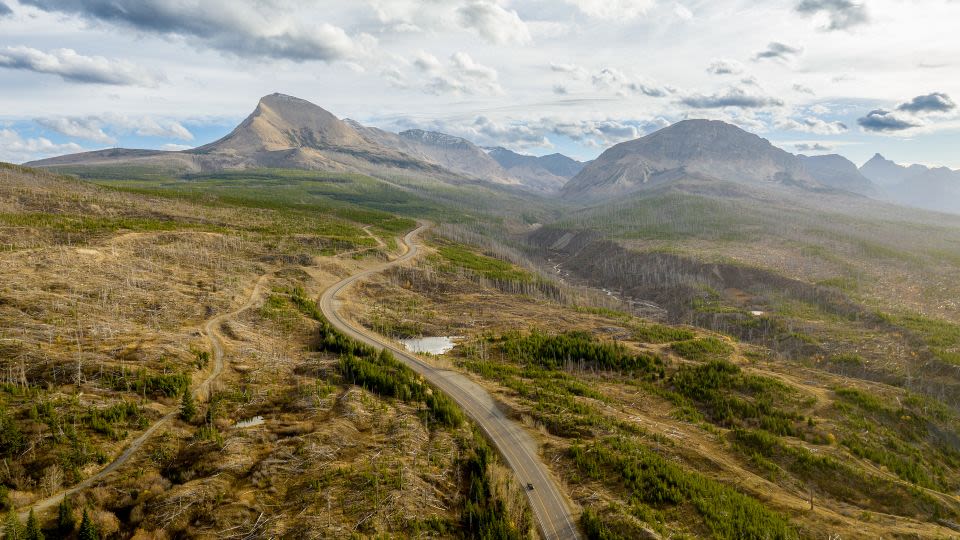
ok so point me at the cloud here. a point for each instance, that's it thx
(812, 147)
(88, 129)
(812, 124)
(732, 97)
(842, 14)
(613, 10)
(918, 112)
(777, 51)
(513, 134)
(560, 90)
(74, 67)
(16, 149)
(881, 120)
(146, 126)
(394, 78)
(536, 133)
(463, 75)
(170, 147)
(623, 84)
(725, 67)
(575, 71)
(494, 23)
(936, 102)
(252, 29)
(682, 12)
(103, 128)
(803, 89)
(5, 10)
(599, 133)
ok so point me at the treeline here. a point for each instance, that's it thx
(730, 397)
(383, 374)
(659, 483)
(148, 384)
(484, 514)
(577, 350)
(378, 372)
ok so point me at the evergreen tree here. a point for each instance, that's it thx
(188, 409)
(33, 528)
(65, 521)
(88, 531)
(12, 528)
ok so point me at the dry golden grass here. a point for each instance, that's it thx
(446, 305)
(98, 285)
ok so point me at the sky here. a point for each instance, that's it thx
(536, 76)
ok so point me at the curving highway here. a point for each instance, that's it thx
(549, 507)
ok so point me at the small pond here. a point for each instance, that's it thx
(432, 345)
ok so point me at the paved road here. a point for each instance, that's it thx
(547, 503)
(212, 329)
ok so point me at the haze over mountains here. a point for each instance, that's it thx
(288, 132)
(916, 185)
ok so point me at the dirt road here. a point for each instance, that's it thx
(212, 329)
(549, 507)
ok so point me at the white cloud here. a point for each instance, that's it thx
(494, 23)
(74, 67)
(682, 11)
(841, 14)
(613, 9)
(725, 67)
(463, 75)
(98, 128)
(88, 129)
(730, 97)
(16, 149)
(573, 70)
(812, 124)
(170, 147)
(623, 84)
(146, 126)
(254, 29)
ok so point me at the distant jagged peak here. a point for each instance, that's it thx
(435, 138)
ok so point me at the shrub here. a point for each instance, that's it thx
(578, 349)
(702, 349)
(658, 333)
(656, 481)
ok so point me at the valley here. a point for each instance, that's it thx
(697, 334)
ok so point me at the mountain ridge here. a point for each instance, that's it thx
(694, 148)
(550, 172)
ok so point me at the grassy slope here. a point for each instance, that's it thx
(122, 275)
(674, 445)
(883, 445)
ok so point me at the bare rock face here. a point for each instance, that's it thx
(456, 154)
(691, 148)
(283, 122)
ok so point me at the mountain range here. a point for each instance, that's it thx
(934, 188)
(288, 132)
(549, 173)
